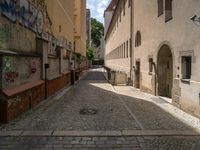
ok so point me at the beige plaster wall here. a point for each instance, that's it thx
(180, 34)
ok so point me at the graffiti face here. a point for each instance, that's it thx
(7, 62)
(33, 67)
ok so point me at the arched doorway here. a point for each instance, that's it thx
(165, 71)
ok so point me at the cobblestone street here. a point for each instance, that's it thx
(122, 118)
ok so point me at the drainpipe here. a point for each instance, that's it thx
(155, 68)
(131, 43)
(46, 66)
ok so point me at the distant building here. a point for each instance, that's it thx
(88, 26)
(99, 51)
(118, 37)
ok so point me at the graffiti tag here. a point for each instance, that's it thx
(33, 67)
(10, 76)
(28, 15)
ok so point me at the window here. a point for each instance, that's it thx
(186, 67)
(150, 65)
(126, 49)
(124, 7)
(138, 39)
(59, 28)
(117, 19)
(160, 7)
(129, 3)
(120, 16)
(168, 10)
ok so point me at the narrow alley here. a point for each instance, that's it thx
(93, 114)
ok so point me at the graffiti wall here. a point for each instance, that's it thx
(20, 70)
(21, 21)
(30, 13)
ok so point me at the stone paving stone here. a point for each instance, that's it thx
(149, 143)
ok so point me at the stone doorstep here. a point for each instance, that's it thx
(98, 133)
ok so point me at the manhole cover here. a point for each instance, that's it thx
(88, 111)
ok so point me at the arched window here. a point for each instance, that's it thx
(138, 39)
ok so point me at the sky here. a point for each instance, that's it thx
(97, 8)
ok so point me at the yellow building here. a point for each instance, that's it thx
(60, 12)
(80, 27)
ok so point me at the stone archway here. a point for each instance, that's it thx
(165, 71)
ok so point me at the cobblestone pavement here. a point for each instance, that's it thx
(100, 143)
(118, 108)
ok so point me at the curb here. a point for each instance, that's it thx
(97, 133)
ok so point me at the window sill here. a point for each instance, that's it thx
(167, 20)
(185, 81)
(150, 73)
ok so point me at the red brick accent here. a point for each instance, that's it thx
(21, 99)
(20, 89)
(58, 83)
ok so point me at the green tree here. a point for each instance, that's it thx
(97, 31)
(90, 53)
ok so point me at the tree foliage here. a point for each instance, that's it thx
(90, 53)
(97, 31)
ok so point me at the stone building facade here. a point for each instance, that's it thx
(165, 50)
(117, 37)
(36, 44)
(99, 52)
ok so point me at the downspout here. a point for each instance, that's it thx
(131, 43)
(155, 68)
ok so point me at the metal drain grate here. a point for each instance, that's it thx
(88, 111)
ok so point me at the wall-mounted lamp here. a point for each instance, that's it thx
(195, 19)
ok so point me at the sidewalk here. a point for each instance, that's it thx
(184, 117)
